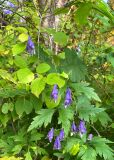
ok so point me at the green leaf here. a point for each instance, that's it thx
(4, 119)
(7, 107)
(22, 105)
(72, 145)
(23, 37)
(38, 85)
(61, 38)
(86, 90)
(28, 156)
(103, 8)
(87, 153)
(44, 117)
(54, 78)
(20, 62)
(25, 75)
(5, 75)
(82, 13)
(102, 149)
(18, 48)
(35, 136)
(104, 118)
(37, 103)
(73, 66)
(112, 125)
(50, 103)
(17, 149)
(65, 116)
(42, 68)
(110, 58)
(86, 110)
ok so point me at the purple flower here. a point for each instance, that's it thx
(74, 128)
(9, 4)
(82, 128)
(54, 93)
(57, 143)
(68, 98)
(61, 135)
(6, 11)
(90, 137)
(50, 134)
(30, 46)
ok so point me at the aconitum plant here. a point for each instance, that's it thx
(61, 135)
(90, 137)
(68, 98)
(10, 4)
(54, 93)
(30, 46)
(50, 135)
(82, 128)
(57, 143)
(74, 129)
(6, 11)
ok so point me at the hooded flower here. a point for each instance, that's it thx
(50, 134)
(57, 143)
(68, 98)
(61, 135)
(7, 11)
(30, 46)
(90, 137)
(54, 93)
(10, 4)
(82, 128)
(74, 128)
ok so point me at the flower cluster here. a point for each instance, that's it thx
(30, 46)
(81, 129)
(59, 138)
(9, 5)
(68, 96)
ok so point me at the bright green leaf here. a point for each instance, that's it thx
(61, 38)
(25, 75)
(37, 86)
(20, 62)
(28, 156)
(82, 13)
(42, 68)
(23, 37)
(18, 48)
(54, 78)
(7, 107)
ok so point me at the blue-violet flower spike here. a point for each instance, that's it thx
(30, 46)
(68, 98)
(82, 128)
(74, 128)
(10, 4)
(54, 93)
(90, 137)
(50, 134)
(61, 135)
(6, 11)
(57, 143)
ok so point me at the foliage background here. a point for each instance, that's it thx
(73, 48)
